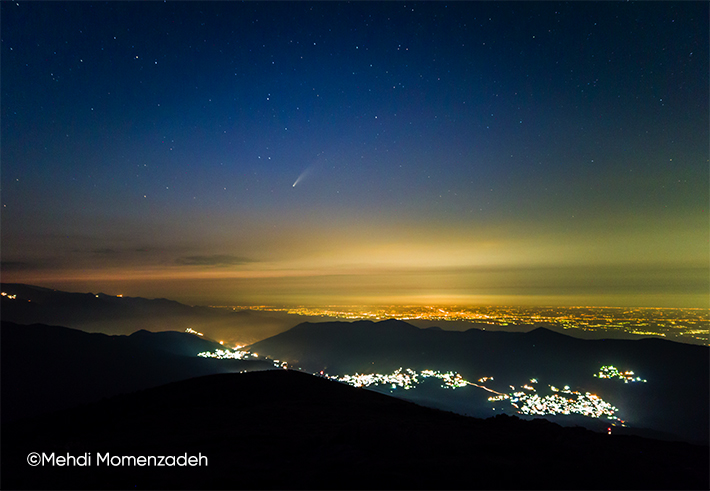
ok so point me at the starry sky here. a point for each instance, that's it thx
(371, 152)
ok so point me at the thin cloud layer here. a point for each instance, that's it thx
(213, 260)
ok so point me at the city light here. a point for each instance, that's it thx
(686, 324)
(226, 354)
(527, 400)
(611, 372)
(403, 378)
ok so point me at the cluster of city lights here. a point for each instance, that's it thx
(688, 324)
(192, 331)
(237, 354)
(525, 400)
(226, 354)
(610, 371)
(406, 379)
(452, 380)
(11, 297)
(562, 401)
(403, 378)
(280, 364)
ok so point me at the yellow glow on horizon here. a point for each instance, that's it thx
(448, 269)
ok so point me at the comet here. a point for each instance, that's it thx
(303, 174)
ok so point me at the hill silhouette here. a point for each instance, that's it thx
(673, 401)
(289, 430)
(110, 314)
(46, 368)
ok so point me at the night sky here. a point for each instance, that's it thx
(398, 152)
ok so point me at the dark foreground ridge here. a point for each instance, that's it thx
(45, 368)
(286, 429)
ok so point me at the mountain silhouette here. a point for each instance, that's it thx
(674, 400)
(46, 368)
(110, 314)
(289, 430)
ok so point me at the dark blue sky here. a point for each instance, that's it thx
(462, 152)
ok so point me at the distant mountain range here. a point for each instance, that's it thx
(110, 314)
(70, 392)
(289, 430)
(673, 401)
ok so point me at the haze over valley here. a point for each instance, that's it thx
(652, 390)
(634, 384)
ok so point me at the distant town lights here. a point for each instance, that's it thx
(611, 372)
